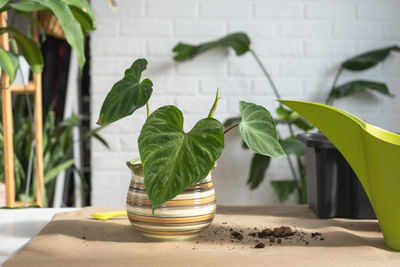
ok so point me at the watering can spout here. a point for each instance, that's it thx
(373, 154)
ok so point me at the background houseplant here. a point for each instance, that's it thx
(172, 159)
(241, 44)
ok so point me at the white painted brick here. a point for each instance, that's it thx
(247, 66)
(391, 66)
(210, 63)
(125, 8)
(109, 66)
(203, 28)
(306, 29)
(112, 141)
(358, 30)
(392, 30)
(146, 28)
(230, 86)
(116, 162)
(181, 86)
(331, 11)
(307, 67)
(199, 105)
(255, 29)
(326, 48)
(281, 10)
(379, 11)
(118, 47)
(106, 27)
(171, 9)
(284, 85)
(279, 48)
(161, 47)
(235, 10)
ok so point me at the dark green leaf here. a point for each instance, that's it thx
(27, 6)
(72, 29)
(231, 121)
(83, 14)
(368, 59)
(293, 146)
(29, 49)
(9, 63)
(52, 173)
(3, 3)
(288, 116)
(239, 42)
(358, 86)
(172, 159)
(258, 167)
(127, 95)
(258, 131)
(283, 188)
(303, 124)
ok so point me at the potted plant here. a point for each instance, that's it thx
(333, 189)
(171, 195)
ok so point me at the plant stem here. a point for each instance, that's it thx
(230, 128)
(264, 70)
(329, 98)
(147, 109)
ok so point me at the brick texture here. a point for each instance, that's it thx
(301, 43)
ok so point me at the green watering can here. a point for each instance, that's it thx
(374, 155)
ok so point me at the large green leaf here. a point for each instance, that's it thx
(172, 159)
(3, 3)
(83, 14)
(288, 116)
(258, 167)
(258, 131)
(27, 6)
(127, 95)
(283, 188)
(368, 59)
(9, 63)
(72, 29)
(29, 49)
(358, 86)
(239, 42)
(293, 146)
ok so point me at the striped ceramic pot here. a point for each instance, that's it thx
(184, 217)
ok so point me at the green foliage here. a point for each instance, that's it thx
(9, 63)
(239, 42)
(292, 146)
(172, 159)
(369, 59)
(57, 148)
(127, 95)
(353, 87)
(287, 116)
(258, 167)
(284, 188)
(3, 3)
(29, 49)
(258, 131)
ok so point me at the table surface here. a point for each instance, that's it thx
(18, 226)
(74, 238)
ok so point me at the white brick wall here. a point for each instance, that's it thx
(301, 42)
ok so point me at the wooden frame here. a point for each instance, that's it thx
(34, 87)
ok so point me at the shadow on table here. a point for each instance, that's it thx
(26, 229)
(113, 230)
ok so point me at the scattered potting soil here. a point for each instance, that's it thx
(234, 237)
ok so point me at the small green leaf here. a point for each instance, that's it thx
(83, 13)
(9, 63)
(127, 95)
(287, 116)
(258, 167)
(358, 86)
(293, 146)
(214, 106)
(283, 188)
(29, 49)
(172, 159)
(369, 59)
(239, 42)
(258, 131)
(231, 121)
(27, 6)
(72, 29)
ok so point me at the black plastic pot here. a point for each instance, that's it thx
(333, 189)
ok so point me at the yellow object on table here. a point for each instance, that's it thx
(77, 239)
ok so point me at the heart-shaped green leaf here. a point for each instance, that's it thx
(72, 29)
(258, 131)
(358, 86)
(29, 49)
(258, 167)
(9, 63)
(127, 95)
(369, 59)
(172, 159)
(239, 42)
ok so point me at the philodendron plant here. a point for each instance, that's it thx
(173, 159)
